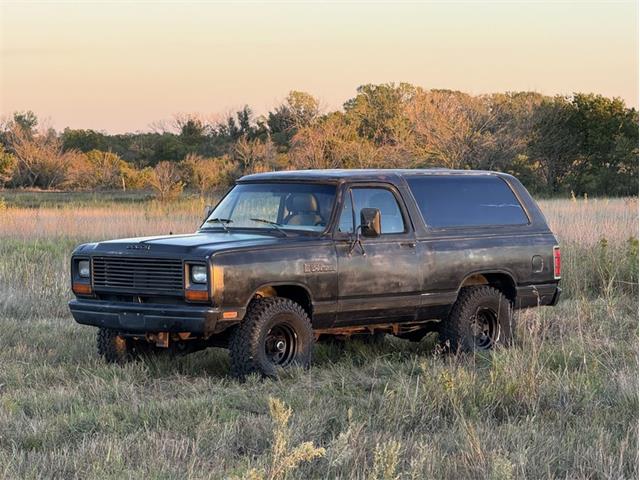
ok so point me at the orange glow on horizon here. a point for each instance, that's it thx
(121, 66)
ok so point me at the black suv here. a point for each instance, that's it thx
(288, 258)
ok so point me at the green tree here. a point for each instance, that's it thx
(26, 121)
(608, 134)
(192, 129)
(378, 111)
(83, 140)
(7, 166)
(554, 142)
(299, 110)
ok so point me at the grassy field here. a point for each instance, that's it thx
(562, 403)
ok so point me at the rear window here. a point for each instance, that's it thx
(466, 201)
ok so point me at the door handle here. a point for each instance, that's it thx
(408, 244)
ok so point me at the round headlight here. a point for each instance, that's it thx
(198, 274)
(84, 270)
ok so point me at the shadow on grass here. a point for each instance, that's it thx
(214, 362)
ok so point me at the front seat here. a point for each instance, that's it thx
(303, 210)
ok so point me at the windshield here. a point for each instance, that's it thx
(275, 206)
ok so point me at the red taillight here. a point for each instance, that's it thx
(557, 263)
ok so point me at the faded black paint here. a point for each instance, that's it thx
(407, 277)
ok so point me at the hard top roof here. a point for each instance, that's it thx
(356, 174)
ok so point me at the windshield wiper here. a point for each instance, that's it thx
(275, 225)
(222, 221)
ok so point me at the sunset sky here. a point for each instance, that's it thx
(119, 66)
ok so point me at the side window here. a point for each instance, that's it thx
(466, 201)
(390, 214)
(346, 216)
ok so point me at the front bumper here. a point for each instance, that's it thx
(145, 317)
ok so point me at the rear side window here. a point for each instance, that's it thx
(466, 201)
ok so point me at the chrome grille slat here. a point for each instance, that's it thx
(138, 275)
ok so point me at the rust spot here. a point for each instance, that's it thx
(120, 344)
(394, 328)
(162, 339)
(266, 292)
(475, 280)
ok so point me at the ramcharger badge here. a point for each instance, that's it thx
(318, 268)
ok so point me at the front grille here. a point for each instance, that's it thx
(138, 275)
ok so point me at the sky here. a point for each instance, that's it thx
(123, 66)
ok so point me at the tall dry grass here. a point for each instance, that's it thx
(583, 222)
(587, 221)
(100, 223)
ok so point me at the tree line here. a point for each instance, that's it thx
(584, 143)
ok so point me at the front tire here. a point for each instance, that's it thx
(112, 347)
(481, 319)
(275, 333)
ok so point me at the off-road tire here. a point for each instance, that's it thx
(248, 347)
(457, 331)
(113, 347)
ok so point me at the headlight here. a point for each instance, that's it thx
(84, 271)
(198, 274)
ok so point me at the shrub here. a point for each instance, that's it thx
(165, 181)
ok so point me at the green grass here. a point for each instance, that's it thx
(56, 199)
(561, 403)
(40, 199)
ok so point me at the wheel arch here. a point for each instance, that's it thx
(500, 279)
(294, 291)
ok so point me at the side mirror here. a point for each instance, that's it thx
(370, 222)
(207, 211)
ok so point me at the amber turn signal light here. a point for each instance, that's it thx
(81, 288)
(196, 295)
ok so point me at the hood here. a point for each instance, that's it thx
(201, 244)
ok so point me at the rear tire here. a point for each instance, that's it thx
(275, 333)
(481, 319)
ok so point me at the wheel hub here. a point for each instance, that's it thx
(281, 345)
(485, 328)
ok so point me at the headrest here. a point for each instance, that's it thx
(302, 202)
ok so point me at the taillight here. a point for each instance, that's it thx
(557, 263)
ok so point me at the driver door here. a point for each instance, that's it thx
(378, 278)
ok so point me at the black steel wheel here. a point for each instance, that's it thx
(481, 319)
(485, 328)
(275, 333)
(281, 344)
